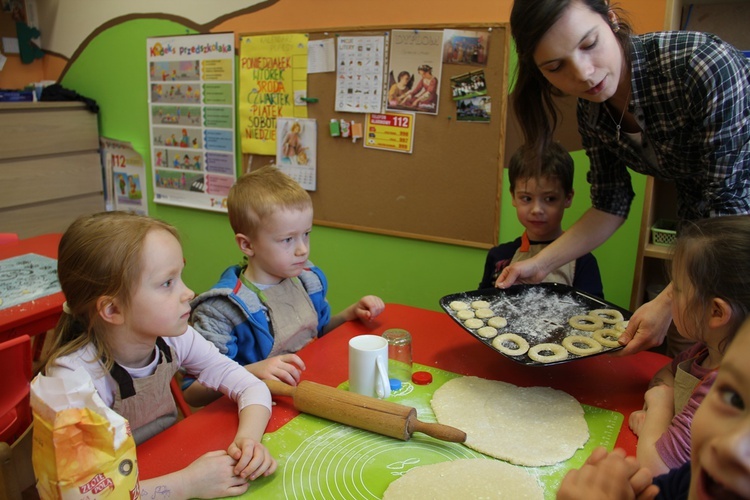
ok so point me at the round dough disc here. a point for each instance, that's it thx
(548, 425)
(474, 323)
(480, 304)
(457, 305)
(466, 478)
(484, 313)
(464, 314)
(487, 332)
(497, 322)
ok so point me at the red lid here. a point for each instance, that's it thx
(421, 378)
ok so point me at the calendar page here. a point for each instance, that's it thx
(296, 149)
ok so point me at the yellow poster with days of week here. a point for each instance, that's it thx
(273, 81)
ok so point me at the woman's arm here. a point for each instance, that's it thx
(590, 231)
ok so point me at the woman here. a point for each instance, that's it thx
(673, 105)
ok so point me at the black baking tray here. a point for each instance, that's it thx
(538, 313)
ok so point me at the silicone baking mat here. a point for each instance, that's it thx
(321, 459)
(538, 313)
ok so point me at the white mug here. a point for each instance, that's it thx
(368, 366)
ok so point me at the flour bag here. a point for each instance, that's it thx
(81, 448)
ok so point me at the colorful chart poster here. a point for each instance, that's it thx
(416, 62)
(191, 117)
(359, 73)
(390, 131)
(126, 176)
(296, 153)
(273, 84)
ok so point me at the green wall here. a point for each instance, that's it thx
(112, 70)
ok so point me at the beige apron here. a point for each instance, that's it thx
(292, 317)
(147, 402)
(563, 275)
(684, 385)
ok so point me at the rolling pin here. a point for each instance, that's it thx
(363, 412)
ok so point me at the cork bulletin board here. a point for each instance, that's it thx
(447, 190)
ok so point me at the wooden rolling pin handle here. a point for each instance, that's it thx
(438, 431)
(279, 388)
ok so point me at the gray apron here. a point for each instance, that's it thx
(563, 275)
(292, 318)
(147, 402)
(684, 385)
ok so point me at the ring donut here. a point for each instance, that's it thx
(559, 353)
(621, 325)
(592, 346)
(511, 338)
(607, 337)
(608, 316)
(586, 323)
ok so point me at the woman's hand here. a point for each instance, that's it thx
(648, 326)
(525, 271)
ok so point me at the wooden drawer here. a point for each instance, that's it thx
(46, 129)
(50, 167)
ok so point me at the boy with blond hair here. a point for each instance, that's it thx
(262, 312)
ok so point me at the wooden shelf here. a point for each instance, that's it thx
(657, 251)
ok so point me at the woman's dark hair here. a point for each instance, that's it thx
(532, 98)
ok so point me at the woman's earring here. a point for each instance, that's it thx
(615, 27)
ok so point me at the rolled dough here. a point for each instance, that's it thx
(530, 426)
(465, 478)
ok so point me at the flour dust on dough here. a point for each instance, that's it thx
(474, 478)
(531, 426)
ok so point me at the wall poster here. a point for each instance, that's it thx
(273, 84)
(191, 118)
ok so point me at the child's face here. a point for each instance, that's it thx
(281, 246)
(720, 430)
(160, 305)
(540, 205)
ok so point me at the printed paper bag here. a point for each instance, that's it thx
(81, 448)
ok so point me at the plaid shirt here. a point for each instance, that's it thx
(690, 98)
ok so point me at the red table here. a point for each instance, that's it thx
(38, 315)
(606, 381)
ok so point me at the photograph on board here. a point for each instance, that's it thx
(465, 47)
(468, 85)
